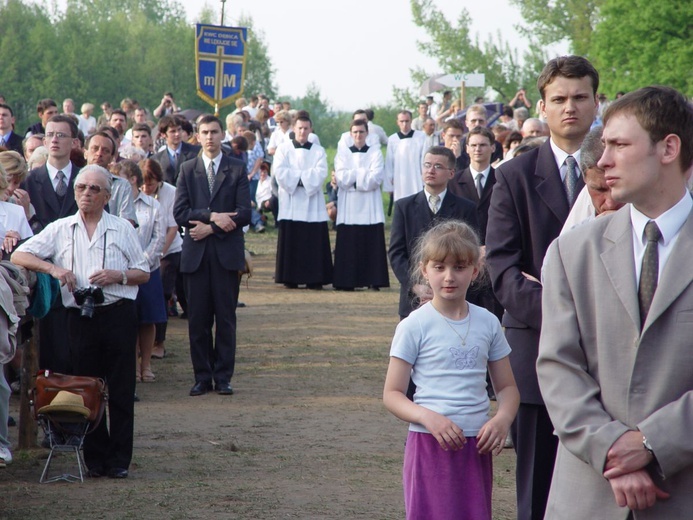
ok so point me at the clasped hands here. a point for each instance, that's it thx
(625, 470)
(200, 231)
(100, 278)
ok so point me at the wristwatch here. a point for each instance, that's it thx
(648, 446)
(124, 281)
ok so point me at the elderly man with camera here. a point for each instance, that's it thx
(99, 263)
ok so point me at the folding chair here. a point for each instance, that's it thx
(67, 408)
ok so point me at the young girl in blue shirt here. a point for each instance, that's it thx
(446, 346)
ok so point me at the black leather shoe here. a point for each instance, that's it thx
(117, 473)
(96, 472)
(200, 388)
(224, 389)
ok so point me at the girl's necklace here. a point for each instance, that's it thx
(463, 340)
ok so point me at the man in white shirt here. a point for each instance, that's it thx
(614, 354)
(374, 129)
(94, 253)
(304, 255)
(405, 151)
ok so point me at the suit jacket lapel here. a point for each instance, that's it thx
(550, 187)
(421, 209)
(48, 192)
(221, 175)
(677, 274)
(467, 185)
(618, 262)
(69, 199)
(488, 187)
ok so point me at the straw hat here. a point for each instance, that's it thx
(65, 401)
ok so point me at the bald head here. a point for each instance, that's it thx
(534, 127)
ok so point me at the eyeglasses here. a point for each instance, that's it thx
(435, 166)
(93, 188)
(59, 135)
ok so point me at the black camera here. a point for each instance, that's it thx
(87, 298)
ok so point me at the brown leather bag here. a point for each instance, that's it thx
(92, 389)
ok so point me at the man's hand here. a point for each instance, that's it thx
(224, 221)
(200, 231)
(626, 455)
(64, 276)
(456, 147)
(636, 490)
(104, 277)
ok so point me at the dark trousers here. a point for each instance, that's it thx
(535, 445)
(212, 293)
(104, 346)
(54, 346)
(169, 274)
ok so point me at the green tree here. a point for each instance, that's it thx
(259, 76)
(640, 43)
(328, 124)
(453, 46)
(106, 50)
(552, 21)
(26, 34)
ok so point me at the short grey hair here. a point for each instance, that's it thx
(592, 149)
(95, 168)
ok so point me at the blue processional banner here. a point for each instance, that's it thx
(220, 54)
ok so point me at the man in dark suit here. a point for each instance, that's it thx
(476, 116)
(476, 184)
(8, 138)
(529, 204)
(50, 190)
(213, 204)
(176, 151)
(417, 213)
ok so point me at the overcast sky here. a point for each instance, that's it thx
(353, 51)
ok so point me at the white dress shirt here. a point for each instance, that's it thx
(669, 224)
(66, 244)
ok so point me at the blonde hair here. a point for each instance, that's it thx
(38, 157)
(448, 238)
(14, 164)
(3, 180)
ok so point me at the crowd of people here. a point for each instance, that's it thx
(488, 210)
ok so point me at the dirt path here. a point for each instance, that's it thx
(305, 436)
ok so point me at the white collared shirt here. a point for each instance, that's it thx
(53, 174)
(217, 162)
(669, 224)
(151, 230)
(484, 175)
(429, 195)
(66, 244)
(560, 157)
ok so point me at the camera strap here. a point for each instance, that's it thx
(103, 261)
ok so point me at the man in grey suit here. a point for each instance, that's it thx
(212, 204)
(529, 204)
(615, 364)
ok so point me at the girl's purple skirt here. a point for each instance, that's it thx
(446, 485)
